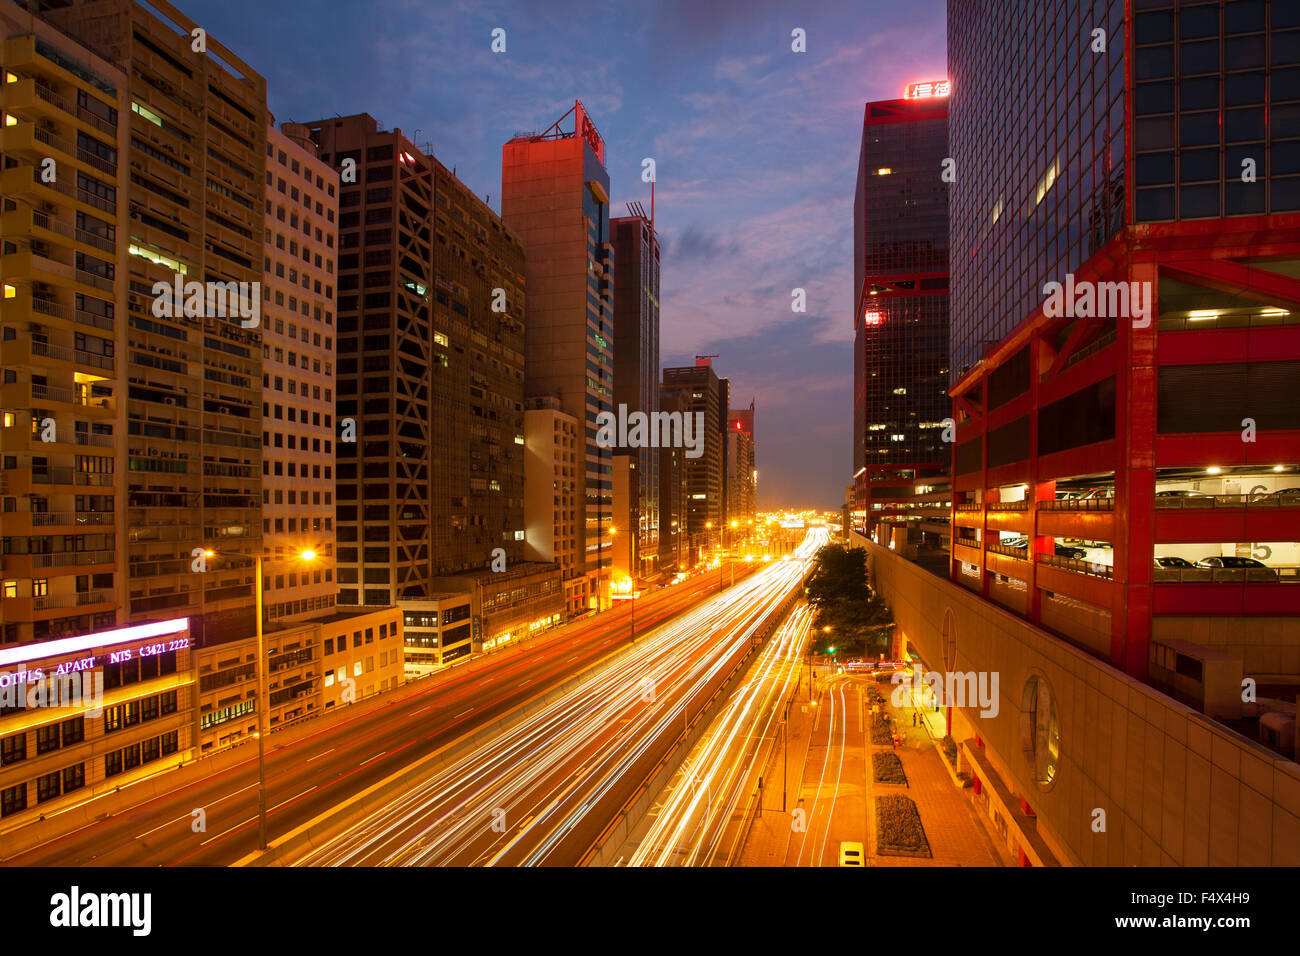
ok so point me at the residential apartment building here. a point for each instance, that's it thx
(298, 377)
(555, 198)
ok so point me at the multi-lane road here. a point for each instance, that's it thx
(333, 758)
(702, 817)
(547, 791)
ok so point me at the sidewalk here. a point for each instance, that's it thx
(955, 833)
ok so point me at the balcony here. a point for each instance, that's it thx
(62, 353)
(80, 599)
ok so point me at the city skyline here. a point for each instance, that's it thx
(728, 436)
(734, 119)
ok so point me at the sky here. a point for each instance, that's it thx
(755, 149)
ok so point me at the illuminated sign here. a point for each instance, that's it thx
(71, 645)
(872, 318)
(585, 128)
(921, 91)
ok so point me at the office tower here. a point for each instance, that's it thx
(636, 382)
(1107, 429)
(742, 474)
(430, 387)
(675, 551)
(724, 409)
(1126, 451)
(700, 391)
(552, 506)
(900, 318)
(555, 198)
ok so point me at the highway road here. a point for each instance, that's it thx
(327, 760)
(545, 791)
(701, 817)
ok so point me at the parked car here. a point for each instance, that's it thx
(1286, 496)
(1180, 494)
(1107, 492)
(1254, 570)
(1066, 551)
(1162, 561)
(1015, 543)
(1241, 564)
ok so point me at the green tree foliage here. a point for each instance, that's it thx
(859, 622)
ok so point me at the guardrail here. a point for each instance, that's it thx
(1269, 575)
(1230, 502)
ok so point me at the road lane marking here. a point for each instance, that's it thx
(375, 757)
(252, 818)
(319, 755)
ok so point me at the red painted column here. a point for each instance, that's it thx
(1135, 438)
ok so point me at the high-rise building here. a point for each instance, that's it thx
(1125, 225)
(701, 394)
(636, 382)
(1101, 421)
(555, 197)
(552, 502)
(675, 550)
(298, 377)
(742, 473)
(193, 422)
(900, 318)
(62, 431)
(430, 481)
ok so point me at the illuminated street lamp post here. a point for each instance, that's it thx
(262, 704)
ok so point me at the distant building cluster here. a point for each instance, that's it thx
(392, 416)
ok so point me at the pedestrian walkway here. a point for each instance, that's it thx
(953, 829)
(952, 826)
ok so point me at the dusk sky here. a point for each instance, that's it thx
(756, 150)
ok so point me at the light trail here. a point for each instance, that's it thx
(687, 833)
(550, 771)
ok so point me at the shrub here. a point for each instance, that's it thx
(949, 748)
(898, 825)
(881, 732)
(887, 768)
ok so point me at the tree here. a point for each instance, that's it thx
(859, 621)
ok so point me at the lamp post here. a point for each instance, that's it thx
(733, 557)
(262, 725)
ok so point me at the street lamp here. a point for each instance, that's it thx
(262, 726)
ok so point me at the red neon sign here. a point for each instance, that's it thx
(920, 91)
(872, 318)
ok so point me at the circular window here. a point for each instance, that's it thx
(949, 641)
(1040, 730)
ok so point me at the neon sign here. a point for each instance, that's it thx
(872, 318)
(71, 645)
(921, 91)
